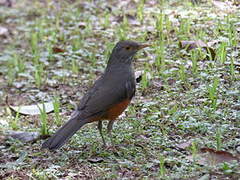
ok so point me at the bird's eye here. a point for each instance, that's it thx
(127, 48)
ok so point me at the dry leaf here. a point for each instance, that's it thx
(131, 19)
(185, 145)
(7, 3)
(224, 7)
(95, 160)
(208, 156)
(3, 31)
(2, 139)
(33, 109)
(219, 156)
(212, 43)
(57, 50)
(189, 45)
(24, 136)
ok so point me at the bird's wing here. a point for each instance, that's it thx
(130, 88)
(103, 95)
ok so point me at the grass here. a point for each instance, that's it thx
(14, 122)
(183, 95)
(56, 106)
(43, 119)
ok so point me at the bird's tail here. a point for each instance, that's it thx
(65, 132)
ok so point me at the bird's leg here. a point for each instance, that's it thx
(109, 130)
(100, 130)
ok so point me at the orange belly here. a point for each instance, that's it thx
(113, 112)
(117, 109)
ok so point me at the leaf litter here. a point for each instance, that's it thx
(33, 109)
(171, 106)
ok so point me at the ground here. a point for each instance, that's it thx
(184, 121)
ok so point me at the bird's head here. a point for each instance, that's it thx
(124, 51)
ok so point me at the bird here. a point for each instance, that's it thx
(108, 97)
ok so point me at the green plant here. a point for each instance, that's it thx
(232, 67)
(15, 65)
(194, 58)
(49, 50)
(218, 139)
(11, 74)
(182, 73)
(77, 41)
(162, 169)
(75, 68)
(14, 121)
(34, 42)
(159, 61)
(38, 75)
(213, 92)
(93, 59)
(229, 168)
(222, 52)
(123, 29)
(145, 77)
(194, 150)
(43, 120)
(106, 22)
(184, 29)
(140, 11)
(160, 26)
(108, 49)
(18, 63)
(56, 106)
(169, 28)
(231, 31)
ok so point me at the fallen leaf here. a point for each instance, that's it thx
(224, 7)
(219, 156)
(131, 19)
(208, 156)
(185, 145)
(7, 3)
(238, 149)
(189, 45)
(24, 136)
(212, 43)
(95, 160)
(158, 84)
(3, 31)
(33, 109)
(205, 177)
(2, 139)
(57, 50)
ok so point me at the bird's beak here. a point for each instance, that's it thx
(141, 46)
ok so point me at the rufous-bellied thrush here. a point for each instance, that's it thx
(106, 99)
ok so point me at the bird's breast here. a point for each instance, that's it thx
(117, 109)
